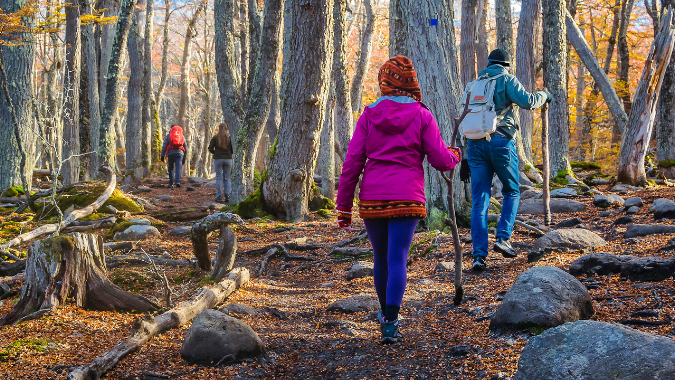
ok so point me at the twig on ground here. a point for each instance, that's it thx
(167, 288)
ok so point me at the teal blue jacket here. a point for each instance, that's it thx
(508, 91)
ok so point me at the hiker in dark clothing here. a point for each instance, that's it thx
(221, 148)
(175, 149)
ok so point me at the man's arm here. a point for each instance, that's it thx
(517, 94)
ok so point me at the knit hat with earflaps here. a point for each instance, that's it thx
(397, 78)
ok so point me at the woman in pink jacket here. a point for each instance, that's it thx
(391, 140)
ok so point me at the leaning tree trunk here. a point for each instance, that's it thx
(432, 50)
(365, 50)
(467, 45)
(525, 65)
(554, 62)
(641, 121)
(288, 185)
(266, 74)
(71, 96)
(200, 239)
(71, 266)
(344, 119)
(135, 94)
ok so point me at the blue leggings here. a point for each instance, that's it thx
(391, 239)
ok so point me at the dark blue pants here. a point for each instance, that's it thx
(175, 163)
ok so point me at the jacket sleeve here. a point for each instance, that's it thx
(212, 145)
(164, 146)
(434, 147)
(353, 165)
(517, 94)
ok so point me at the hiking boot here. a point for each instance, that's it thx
(504, 247)
(219, 199)
(479, 264)
(178, 185)
(226, 199)
(390, 333)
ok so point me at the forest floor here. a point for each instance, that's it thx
(305, 341)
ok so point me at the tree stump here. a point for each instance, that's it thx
(71, 266)
(226, 248)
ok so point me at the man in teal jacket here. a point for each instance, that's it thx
(498, 156)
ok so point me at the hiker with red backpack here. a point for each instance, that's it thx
(175, 149)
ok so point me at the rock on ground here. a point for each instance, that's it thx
(529, 194)
(212, 184)
(542, 297)
(607, 200)
(569, 223)
(591, 350)
(238, 309)
(632, 210)
(143, 189)
(633, 202)
(599, 181)
(180, 231)
(564, 192)
(165, 198)
(536, 206)
(659, 203)
(137, 232)
(637, 230)
(140, 221)
(663, 208)
(360, 269)
(566, 240)
(214, 336)
(354, 304)
(622, 187)
(626, 219)
(445, 266)
(634, 268)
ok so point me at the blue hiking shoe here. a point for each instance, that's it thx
(390, 333)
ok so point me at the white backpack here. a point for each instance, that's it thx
(482, 119)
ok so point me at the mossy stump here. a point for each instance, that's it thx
(74, 266)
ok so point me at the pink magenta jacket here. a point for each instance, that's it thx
(391, 141)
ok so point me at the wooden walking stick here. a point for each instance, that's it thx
(547, 167)
(459, 291)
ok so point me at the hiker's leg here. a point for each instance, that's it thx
(400, 235)
(218, 166)
(481, 184)
(171, 162)
(505, 162)
(179, 168)
(227, 173)
(377, 233)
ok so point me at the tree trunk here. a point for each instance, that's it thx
(135, 94)
(71, 96)
(665, 119)
(287, 188)
(344, 119)
(92, 50)
(624, 63)
(106, 151)
(525, 65)
(157, 134)
(554, 61)
(199, 235)
(185, 69)
(254, 30)
(226, 255)
(365, 49)
(244, 46)
(112, 8)
(504, 26)
(64, 266)
(148, 99)
(581, 88)
(432, 50)
(266, 72)
(327, 152)
(467, 45)
(639, 130)
(482, 34)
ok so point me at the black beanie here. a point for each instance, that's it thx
(500, 57)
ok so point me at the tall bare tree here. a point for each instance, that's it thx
(525, 64)
(482, 34)
(92, 50)
(71, 89)
(365, 50)
(467, 45)
(157, 135)
(135, 93)
(344, 119)
(623, 53)
(149, 98)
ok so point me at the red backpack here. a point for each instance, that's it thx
(176, 139)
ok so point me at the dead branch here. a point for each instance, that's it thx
(10, 255)
(353, 252)
(10, 269)
(90, 225)
(127, 245)
(528, 227)
(147, 327)
(116, 261)
(271, 252)
(289, 257)
(362, 238)
(165, 281)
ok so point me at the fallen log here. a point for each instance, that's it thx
(353, 252)
(127, 245)
(10, 269)
(200, 236)
(76, 214)
(116, 261)
(147, 327)
(271, 252)
(9, 280)
(528, 227)
(181, 214)
(90, 225)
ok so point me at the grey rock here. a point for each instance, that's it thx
(524, 180)
(461, 350)
(214, 336)
(328, 284)
(632, 210)
(595, 192)
(637, 230)
(143, 189)
(165, 198)
(445, 266)
(650, 268)
(180, 231)
(592, 350)
(621, 187)
(663, 208)
(607, 213)
(536, 206)
(166, 255)
(137, 232)
(355, 304)
(524, 188)
(607, 200)
(238, 309)
(212, 184)
(360, 269)
(584, 188)
(528, 194)
(197, 180)
(140, 221)
(155, 202)
(493, 218)
(599, 181)
(633, 201)
(213, 205)
(566, 240)
(563, 192)
(626, 219)
(569, 223)
(542, 297)
(660, 202)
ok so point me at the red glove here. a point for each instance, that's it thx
(457, 152)
(344, 218)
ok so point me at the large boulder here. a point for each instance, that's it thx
(536, 206)
(650, 268)
(591, 350)
(215, 337)
(137, 232)
(566, 240)
(637, 230)
(542, 297)
(659, 203)
(607, 200)
(663, 208)
(355, 304)
(360, 269)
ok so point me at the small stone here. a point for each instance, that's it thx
(165, 198)
(461, 350)
(143, 189)
(360, 269)
(565, 240)
(140, 221)
(569, 223)
(190, 188)
(180, 231)
(328, 284)
(626, 188)
(445, 266)
(599, 181)
(632, 210)
(137, 232)
(605, 214)
(564, 192)
(607, 200)
(166, 255)
(357, 303)
(626, 219)
(637, 230)
(510, 342)
(633, 201)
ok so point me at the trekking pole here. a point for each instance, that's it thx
(547, 167)
(459, 291)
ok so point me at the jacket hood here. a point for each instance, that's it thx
(493, 70)
(392, 117)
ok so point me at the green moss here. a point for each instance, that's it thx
(206, 281)
(585, 165)
(328, 204)
(315, 200)
(435, 220)
(13, 191)
(84, 195)
(94, 216)
(251, 206)
(666, 163)
(324, 213)
(55, 247)
(119, 227)
(528, 168)
(36, 344)
(492, 224)
(561, 178)
(273, 149)
(9, 230)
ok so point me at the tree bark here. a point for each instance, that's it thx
(106, 151)
(525, 65)
(62, 267)
(135, 94)
(266, 75)
(185, 69)
(157, 135)
(71, 95)
(504, 26)
(554, 61)
(149, 98)
(467, 45)
(327, 152)
(639, 130)
(287, 188)
(665, 117)
(344, 119)
(432, 50)
(365, 50)
(482, 34)
(226, 254)
(93, 90)
(624, 63)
